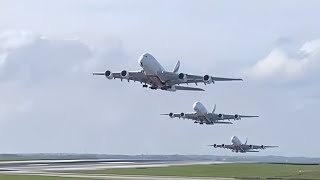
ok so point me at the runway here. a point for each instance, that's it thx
(73, 168)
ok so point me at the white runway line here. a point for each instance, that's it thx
(50, 168)
(123, 177)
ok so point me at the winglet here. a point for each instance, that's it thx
(214, 108)
(176, 68)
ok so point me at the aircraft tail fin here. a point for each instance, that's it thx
(176, 68)
(214, 109)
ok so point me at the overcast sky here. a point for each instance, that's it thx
(50, 102)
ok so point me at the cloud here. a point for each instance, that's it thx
(282, 66)
(27, 56)
(283, 41)
(46, 87)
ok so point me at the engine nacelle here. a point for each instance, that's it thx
(207, 79)
(220, 116)
(183, 115)
(237, 117)
(171, 115)
(222, 145)
(250, 146)
(124, 74)
(108, 74)
(262, 147)
(183, 77)
(215, 145)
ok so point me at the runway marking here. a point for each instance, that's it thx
(121, 177)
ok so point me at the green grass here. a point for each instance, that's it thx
(34, 177)
(225, 170)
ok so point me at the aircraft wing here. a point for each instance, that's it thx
(174, 78)
(228, 116)
(129, 76)
(200, 78)
(226, 146)
(192, 116)
(261, 147)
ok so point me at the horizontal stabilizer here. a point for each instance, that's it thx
(223, 122)
(188, 88)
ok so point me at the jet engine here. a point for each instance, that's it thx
(207, 79)
(171, 115)
(237, 117)
(222, 145)
(124, 74)
(215, 145)
(262, 147)
(108, 74)
(220, 116)
(183, 115)
(183, 77)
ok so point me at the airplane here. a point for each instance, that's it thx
(154, 76)
(202, 115)
(237, 146)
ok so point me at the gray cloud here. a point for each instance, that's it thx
(33, 58)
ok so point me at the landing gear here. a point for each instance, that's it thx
(153, 88)
(201, 123)
(145, 86)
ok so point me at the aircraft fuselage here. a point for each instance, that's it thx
(238, 146)
(151, 67)
(202, 112)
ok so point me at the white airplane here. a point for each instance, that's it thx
(201, 115)
(154, 75)
(237, 146)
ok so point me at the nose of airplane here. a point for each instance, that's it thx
(142, 57)
(232, 138)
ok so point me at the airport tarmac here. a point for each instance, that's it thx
(73, 168)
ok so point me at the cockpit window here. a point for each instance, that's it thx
(141, 64)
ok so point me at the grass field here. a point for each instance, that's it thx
(226, 170)
(25, 177)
